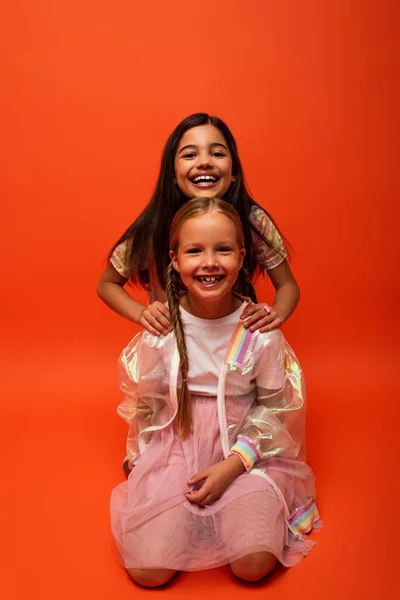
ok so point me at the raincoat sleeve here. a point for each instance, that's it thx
(274, 425)
(144, 381)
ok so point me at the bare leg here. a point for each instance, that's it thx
(254, 567)
(151, 577)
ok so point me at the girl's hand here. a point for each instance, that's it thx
(217, 479)
(256, 317)
(156, 319)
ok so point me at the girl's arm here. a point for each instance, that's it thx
(275, 426)
(286, 299)
(135, 407)
(216, 478)
(264, 434)
(154, 318)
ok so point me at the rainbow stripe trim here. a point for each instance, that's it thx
(239, 346)
(246, 450)
(304, 518)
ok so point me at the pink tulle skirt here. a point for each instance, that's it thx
(155, 526)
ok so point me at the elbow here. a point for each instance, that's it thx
(100, 290)
(297, 291)
(295, 296)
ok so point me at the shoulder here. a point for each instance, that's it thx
(265, 343)
(258, 217)
(264, 225)
(146, 356)
(161, 343)
(271, 337)
(119, 259)
(273, 349)
(269, 248)
(144, 341)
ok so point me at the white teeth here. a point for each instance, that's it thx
(205, 179)
(209, 279)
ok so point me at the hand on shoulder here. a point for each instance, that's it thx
(261, 317)
(156, 319)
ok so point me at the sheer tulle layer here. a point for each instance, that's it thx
(154, 526)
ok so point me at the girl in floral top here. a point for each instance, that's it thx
(200, 158)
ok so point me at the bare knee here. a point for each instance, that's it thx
(151, 577)
(254, 567)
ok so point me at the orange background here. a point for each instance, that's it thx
(91, 91)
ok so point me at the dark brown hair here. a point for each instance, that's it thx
(147, 238)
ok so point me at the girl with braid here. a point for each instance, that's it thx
(216, 422)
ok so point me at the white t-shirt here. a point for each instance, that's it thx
(206, 342)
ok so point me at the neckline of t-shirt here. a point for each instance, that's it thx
(232, 317)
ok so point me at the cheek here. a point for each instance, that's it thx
(180, 171)
(227, 179)
(234, 266)
(183, 184)
(227, 169)
(185, 268)
(188, 270)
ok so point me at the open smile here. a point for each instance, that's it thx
(209, 281)
(204, 181)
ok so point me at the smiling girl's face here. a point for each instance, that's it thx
(203, 163)
(208, 258)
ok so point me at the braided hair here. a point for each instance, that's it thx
(173, 286)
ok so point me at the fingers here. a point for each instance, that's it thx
(155, 318)
(201, 497)
(207, 500)
(198, 477)
(146, 325)
(248, 311)
(253, 309)
(260, 319)
(198, 496)
(165, 314)
(276, 323)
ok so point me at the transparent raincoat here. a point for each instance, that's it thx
(261, 403)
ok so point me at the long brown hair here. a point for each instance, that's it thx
(191, 209)
(147, 238)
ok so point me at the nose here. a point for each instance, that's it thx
(204, 160)
(210, 260)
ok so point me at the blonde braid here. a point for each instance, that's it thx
(184, 421)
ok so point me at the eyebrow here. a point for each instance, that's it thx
(196, 244)
(194, 146)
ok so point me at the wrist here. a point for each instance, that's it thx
(286, 300)
(137, 313)
(236, 463)
(280, 309)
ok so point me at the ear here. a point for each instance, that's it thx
(174, 260)
(242, 255)
(233, 178)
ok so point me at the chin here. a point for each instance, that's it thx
(204, 194)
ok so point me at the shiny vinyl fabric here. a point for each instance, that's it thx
(261, 396)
